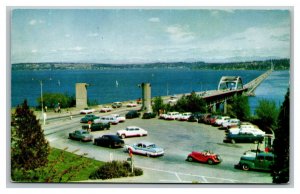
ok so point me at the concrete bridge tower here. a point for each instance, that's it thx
(146, 97)
(81, 95)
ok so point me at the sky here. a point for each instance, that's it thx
(121, 36)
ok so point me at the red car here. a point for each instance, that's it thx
(204, 157)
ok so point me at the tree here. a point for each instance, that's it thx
(52, 99)
(239, 108)
(29, 148)
(190, 103)
(267, 114)
(281, 144)
(158, 104)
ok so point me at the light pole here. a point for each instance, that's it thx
(41, 83)
(42, 102)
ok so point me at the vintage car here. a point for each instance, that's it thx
(131, 104)
(195, 117)
(145, 148)
(81, 135)
(184, 116)
(106, 109)
(148, 115)
(171, 115)
(220, 120)
(111, 141)
(212, 119)
(96, 126)
(253, 130)
(203, 117)
(162, 116)
(258, 161)
(117, 105)
(132, 114)
(132, 131)
(243, 138)
(111, 119)
(205, 156)
(119, 118)
(231, 123)
(88, 118)
(87, 111)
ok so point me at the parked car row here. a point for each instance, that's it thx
(244, 132)
(142, 147)
(109, 108)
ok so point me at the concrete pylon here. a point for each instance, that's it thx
(81, 95)
(146, 97)
(225, 107)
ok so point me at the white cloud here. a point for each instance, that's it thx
(67, 35)
(154, 19)
(179, 34)
(252, 42)
(219, 12)
(35, 22)
(93, 35)
(76, 48)
(34, 51)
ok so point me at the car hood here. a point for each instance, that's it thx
(157, 149)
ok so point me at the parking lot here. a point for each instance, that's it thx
(178, 138)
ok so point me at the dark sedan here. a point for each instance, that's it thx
(81, 135)
(148, 115)
(88, 118)
(132, 114)
(111, 141)
(243, 138)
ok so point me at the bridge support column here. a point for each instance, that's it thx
(225, 107)
(214, 107)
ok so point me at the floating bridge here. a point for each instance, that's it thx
(230, 86)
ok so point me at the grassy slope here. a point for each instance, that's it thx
(64, 160)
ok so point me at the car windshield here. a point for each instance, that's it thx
(151, 146)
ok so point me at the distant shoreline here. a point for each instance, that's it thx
(278, 64)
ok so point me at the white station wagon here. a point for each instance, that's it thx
(132, 131)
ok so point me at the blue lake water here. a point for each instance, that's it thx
(26, 85)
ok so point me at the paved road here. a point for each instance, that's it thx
(177, 138)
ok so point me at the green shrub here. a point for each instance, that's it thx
(115, 169)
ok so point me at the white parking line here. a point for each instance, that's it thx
(177, 174)
(178, 177)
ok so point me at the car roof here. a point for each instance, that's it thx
(145, 143)
(81, 130)
(111, 135)
(132, 127)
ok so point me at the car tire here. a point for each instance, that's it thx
(190, 159)
(210, 161)
(148, 155)
(245, 167)
(123, 136)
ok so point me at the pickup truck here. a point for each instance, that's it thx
(97, 126)
(259, 161)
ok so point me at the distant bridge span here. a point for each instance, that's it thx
(230, 86)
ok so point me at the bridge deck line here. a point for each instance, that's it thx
(252, 85)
